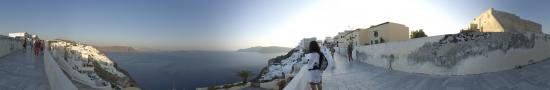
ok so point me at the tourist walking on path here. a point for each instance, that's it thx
(42, 45)
(37, 47)
(315, 58)
(25, 43)
(332, 50)
(350, 52)
(31, 43)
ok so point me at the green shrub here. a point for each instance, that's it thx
(418, 33)
(244, 75)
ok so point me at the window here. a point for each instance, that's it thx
(481, 29)
(375, 33)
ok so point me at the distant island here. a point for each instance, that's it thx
(116, 49)
(269, 49)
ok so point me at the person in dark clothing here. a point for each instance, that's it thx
(332, 50)
(37, 47)
(350, 52)
(42, 45)
(24, 43)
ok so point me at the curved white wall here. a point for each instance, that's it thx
(57, 79)
(490, 61)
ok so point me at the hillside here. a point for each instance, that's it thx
(270, 49)
(89, 68)
(115, 48)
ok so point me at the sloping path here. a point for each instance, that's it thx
(22, 70)
(361, 76)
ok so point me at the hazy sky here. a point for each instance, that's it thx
(234, 24)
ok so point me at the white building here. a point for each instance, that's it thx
(19, 34)
(382, 33)
(345, 38)
(328, 39)
(305, 42)
(499, 21)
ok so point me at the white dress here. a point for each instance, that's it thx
(315, 74)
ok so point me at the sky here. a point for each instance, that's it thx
(236, 24)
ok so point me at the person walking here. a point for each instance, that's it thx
(32, 43)
(332, 50)
(25, 43)
(315, 58)
(37, 47)
(350, 52)
(42, 45)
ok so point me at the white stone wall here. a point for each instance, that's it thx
(496, 52)
(56, 77)
(9, 45)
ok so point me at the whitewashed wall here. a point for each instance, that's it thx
(505, 56)
(9, 45)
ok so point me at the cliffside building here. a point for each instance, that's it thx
(382, 33)
(20, 35)
(343, 39)
(499, 21)
(304, 43)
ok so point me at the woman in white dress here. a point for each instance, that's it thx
(314, 57)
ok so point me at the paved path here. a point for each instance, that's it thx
(361, 76)
(21, 70)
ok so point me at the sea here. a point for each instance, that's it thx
(188, 70)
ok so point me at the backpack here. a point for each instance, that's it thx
(322, 65)
(322, 62)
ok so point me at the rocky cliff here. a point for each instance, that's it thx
(270, 49)
(115, 48)
(89, 68)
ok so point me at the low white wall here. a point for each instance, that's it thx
(500, 60)
(301, 80)
(377, 54)
(504, 58)
(8, 45)
(57, 79)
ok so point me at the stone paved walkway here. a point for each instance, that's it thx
(361, 76)
(22, 70)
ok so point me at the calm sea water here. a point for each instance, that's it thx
(188, 70)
